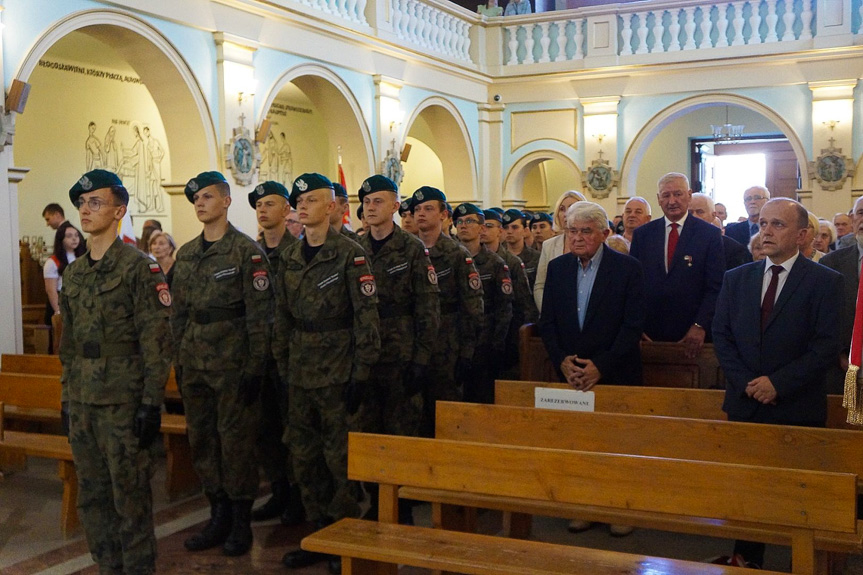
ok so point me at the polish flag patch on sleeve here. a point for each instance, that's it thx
(468, 261)
(359, 260)
(257, 258)
(155, 268)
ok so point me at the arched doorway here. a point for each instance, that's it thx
(537, 180)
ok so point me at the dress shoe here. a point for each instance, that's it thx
(620, 530)
(579, 525)
(302, 558)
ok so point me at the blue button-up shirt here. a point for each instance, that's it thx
(586, 277)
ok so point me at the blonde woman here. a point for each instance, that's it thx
(554, 247)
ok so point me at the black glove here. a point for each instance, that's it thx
(463, 370)
(415, 379)
(250, 388)
(64, 417)
(148, 420)
(353, 395)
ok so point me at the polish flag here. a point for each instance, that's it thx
(346, 219)
(126, 231)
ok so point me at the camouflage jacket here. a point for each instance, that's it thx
(530, 258)
(523, 306)
(408, 303)
(327, 326)
(460, 290)
(116, 344)
(274, 258)
(351, 235)
(223, 304)
(497, 296)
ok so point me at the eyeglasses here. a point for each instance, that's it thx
(492, 225)
(754, 198)
(466, 221)
(293, 222)
(95, 204)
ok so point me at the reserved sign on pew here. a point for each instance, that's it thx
(565, 399)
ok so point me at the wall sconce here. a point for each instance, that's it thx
(831, 124)
(246, 91)
(598, 138)
(397, 120)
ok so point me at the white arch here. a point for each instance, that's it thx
(513, 182)
(336, 81)
(437, 101)
(639, 145)
(99, 17)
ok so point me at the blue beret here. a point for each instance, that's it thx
(377, 183)
(448, 208)
(467, 209)
(201, 181)
(493, 214)
(497, 209)
(339, 191)
(540, 217)
(269, 188)
(94, 180)
(307, 183)
(426, 194)
(512, 215)
(407, 206)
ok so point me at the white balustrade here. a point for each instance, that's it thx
(626, 35)
(788, 21)
(641, 32)
(806, 20)
(658, 29)
(737, 23)
(689, 28)
(674, 31)
(757, 20)
(578, 26)
(544, 42)
(528, 44)
(705, 28)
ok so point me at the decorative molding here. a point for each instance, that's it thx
(558, 125)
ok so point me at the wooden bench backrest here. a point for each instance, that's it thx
(783, 446)
(31, 363)
(791, 498)
(31, 391)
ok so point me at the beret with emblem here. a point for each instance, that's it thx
(339, 191)
(467, 209)
(493, 214)
(201, 181)
(377, 183)
(540, 217)
(511, 215)
(406, 207)
(426, 194)
(307, 183)
(94, 180)
(269, 188)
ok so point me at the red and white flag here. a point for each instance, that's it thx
(126, 231)
(346, 219)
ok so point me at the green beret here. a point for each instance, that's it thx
(448, 208)
(360, 212)
(307, 183)
(426, 194)
(339, 191)
(540, 217)
(467, 209)
(406, 207)
(201, 181)
(512, 215)
(377, 183)
(264, 189)
(497, 209)
(493, 214)
(94, 180)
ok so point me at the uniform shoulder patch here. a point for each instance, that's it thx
(468, 260)
(473, 281)
(367, 285)
(522, 265)
(257, 258)
(360, 260)
(164, 294)
(506, 286)
(505, 268)
(260, 280)
(155, 268)
(432, 276)
(426, 250)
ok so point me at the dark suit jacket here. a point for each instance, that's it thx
(844, 261)
(612, 323)
(739, 232)
(687, 293)
(735, 254)
(799, 342)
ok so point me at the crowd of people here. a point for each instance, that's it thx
(283, 344)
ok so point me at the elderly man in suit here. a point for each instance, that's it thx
(683, 261)
(775, 334)
(753, 199)
(846, 261)
(703, 208)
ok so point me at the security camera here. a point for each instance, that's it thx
(497, 97)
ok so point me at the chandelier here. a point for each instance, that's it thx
(727, 133)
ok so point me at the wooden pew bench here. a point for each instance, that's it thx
(797, 503)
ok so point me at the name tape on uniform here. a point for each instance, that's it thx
(565, 399)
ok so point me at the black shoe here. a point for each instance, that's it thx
(217, 529)
(276, 504)
(239, 540)
(334, 565)
(294, 513)
(302, 558)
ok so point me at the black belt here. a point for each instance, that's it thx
(322, 325)
(451, 307)
(214, 314)
(391, 311)
(97, 349)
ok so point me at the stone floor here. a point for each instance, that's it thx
(31, 543)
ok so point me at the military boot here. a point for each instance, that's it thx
(217, 529)
(294, 512)
(239, 541)
(276, 504)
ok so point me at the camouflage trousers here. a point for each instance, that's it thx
(114, 499)
(222, 432)
(385, 407)
(272, 453)
(442, 381)
(318, 440)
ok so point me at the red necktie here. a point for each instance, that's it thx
(770, 296)
(673, 236)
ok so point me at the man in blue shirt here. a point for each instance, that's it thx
(517, 7)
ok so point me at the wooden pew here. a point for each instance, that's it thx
(672, 402)
(797, 503)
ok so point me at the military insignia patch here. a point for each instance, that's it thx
(468, 261)
(506, 286)
(260, 280)
(359, 260)
(367, 187)
(473, 281)
(367, 285)
(302, 185)
(85, 183)
(260, 189)
(257, 258)
(420, 196)
(432, 276)
(462, 210)
(192, 185)
(155, 268)
(164, 294)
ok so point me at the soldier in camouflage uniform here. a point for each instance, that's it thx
(116, 354)
(461, 305)
(407, 217)
(514, 226)
(343, 208)
(541, 230)
(497, 302)
(270, 202)
(409, 313)
(328, 338)
(223, 310)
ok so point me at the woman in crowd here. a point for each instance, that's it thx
(825, 237)
(756, 249)
(808, 249)
(68, 246)
(162, 247)
(554, 247)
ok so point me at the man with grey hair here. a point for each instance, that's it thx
(683, 263)
(754, 199)
(703, 208)
(636, 213)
